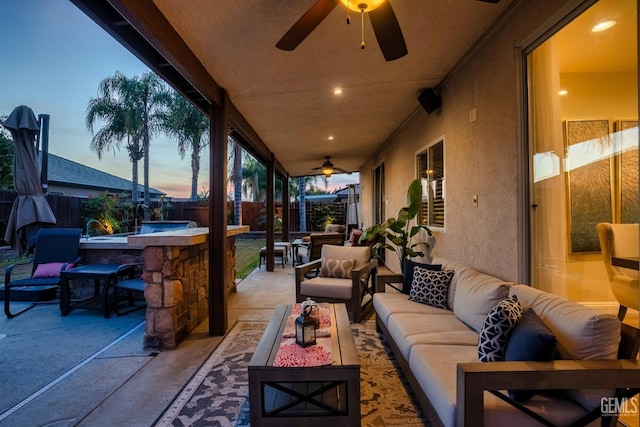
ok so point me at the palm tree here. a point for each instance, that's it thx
(235, 176)
(115, 108)
(149, 95)
(189, 127)
(254, 179)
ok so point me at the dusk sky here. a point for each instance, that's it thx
(53, 58)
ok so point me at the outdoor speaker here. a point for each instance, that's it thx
(429, 100)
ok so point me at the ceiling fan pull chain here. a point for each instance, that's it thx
(362, 28)
(348, 12)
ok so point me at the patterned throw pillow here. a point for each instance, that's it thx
(430, 287)
(339, 268)
(407, 273)
(498, 324)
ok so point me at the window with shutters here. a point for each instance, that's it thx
(430, 170)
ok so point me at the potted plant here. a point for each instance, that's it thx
(397, 233)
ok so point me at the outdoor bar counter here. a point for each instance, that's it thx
(175, 269)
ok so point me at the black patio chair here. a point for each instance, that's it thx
(55, 249)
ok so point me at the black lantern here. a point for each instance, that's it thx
(305, 328)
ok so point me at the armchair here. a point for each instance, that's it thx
(337, 283)
(316, 241)
(620, 240)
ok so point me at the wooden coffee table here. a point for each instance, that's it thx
(309, 396)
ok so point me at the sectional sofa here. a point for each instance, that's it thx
(437, 349)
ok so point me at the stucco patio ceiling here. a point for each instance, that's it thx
(287, 97)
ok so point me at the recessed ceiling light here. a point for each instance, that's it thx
(562, 92)
(337, 91)
(330, 138)
(603, 26)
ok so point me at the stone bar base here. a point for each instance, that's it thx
(176, 275)
(176, 293)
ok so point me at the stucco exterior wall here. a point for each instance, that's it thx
(481, 157)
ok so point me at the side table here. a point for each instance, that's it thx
(103, 276)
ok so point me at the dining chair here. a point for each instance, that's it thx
(620, 240)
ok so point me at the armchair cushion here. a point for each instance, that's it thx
(327, 287)
(361, 254)
(407, 273)
(430, 287)
(51, 269)
(340, 268)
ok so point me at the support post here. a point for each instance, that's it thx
(219, 119)
(270, 213)
(286, 225)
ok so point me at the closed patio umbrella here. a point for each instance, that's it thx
(30, 209)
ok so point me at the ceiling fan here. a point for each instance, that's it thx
(329, 169)
(383, 20)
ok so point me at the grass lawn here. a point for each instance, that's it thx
(247, 258)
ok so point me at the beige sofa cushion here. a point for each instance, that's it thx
(388, 303)
(476, 294)
(435, 368)
(409, 329)
(582, 332)
(450, 265)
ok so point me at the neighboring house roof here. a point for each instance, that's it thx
(63, 171)
(344, 192)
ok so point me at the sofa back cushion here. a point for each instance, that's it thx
(582, 332)
(446, 264)
(475, 295)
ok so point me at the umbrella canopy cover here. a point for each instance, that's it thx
(30, 210)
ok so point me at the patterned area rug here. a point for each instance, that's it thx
(218, 393)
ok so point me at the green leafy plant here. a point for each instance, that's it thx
(397, 234)
(106, 209)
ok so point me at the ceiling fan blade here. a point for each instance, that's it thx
(388, 32)
(490, 1)
(306, 24)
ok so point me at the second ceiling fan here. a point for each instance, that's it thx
(383, 20)
(329, 169)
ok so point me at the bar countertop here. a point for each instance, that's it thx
(182, 237)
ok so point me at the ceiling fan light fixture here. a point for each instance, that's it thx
(327, 168)
(359, 5)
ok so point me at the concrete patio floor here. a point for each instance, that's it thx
(85, 370)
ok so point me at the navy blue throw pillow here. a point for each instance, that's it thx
(407, 274)
(530, 340)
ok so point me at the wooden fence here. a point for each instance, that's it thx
(67, 211)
